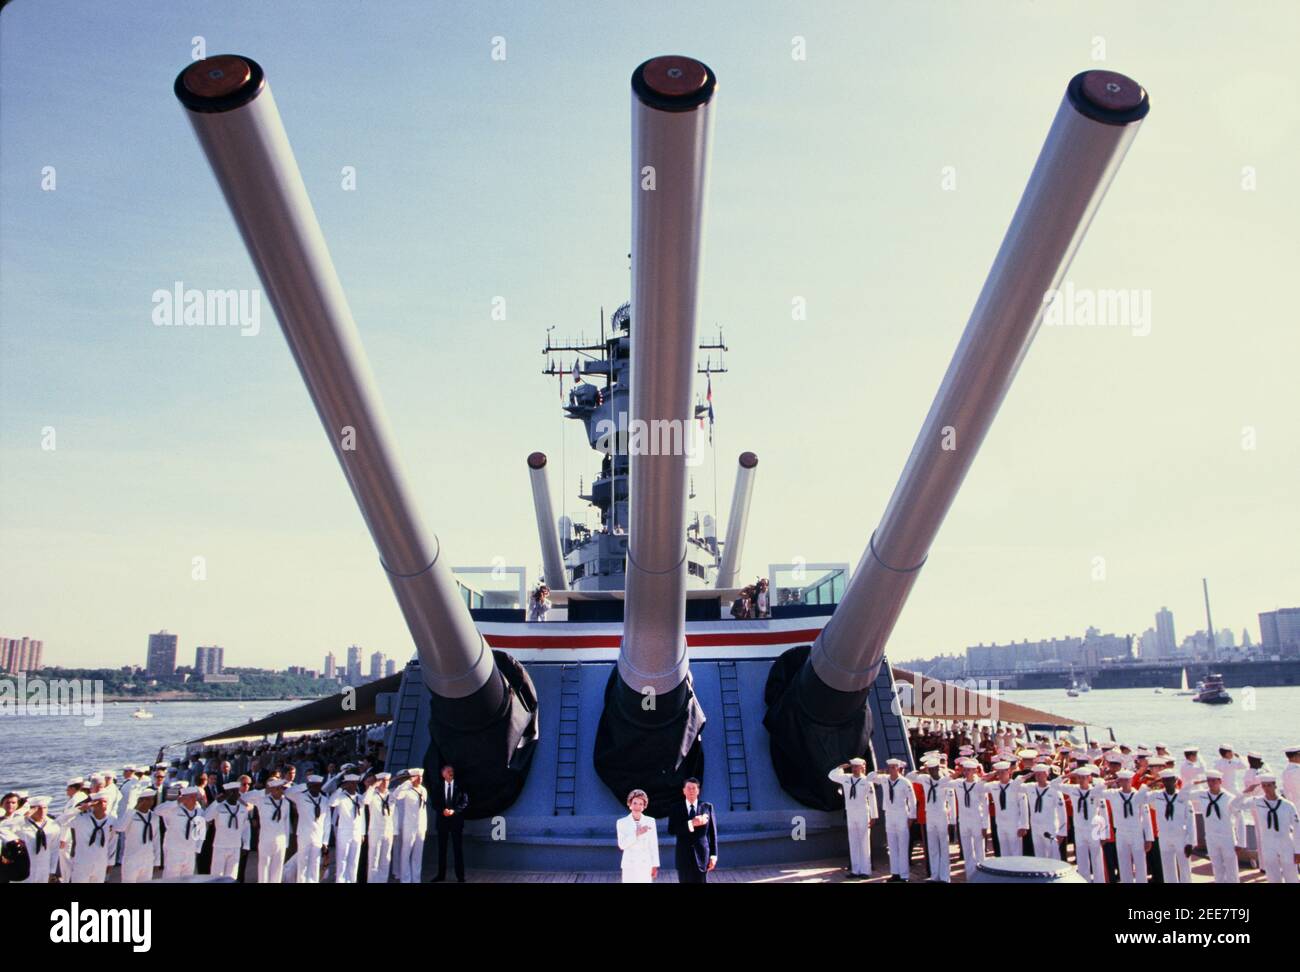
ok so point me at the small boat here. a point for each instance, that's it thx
(1160, 691)
(141, 713)
(1084, 686)
(1212, 691)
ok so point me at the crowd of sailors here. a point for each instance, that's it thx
(287, 812)
(1119, 812)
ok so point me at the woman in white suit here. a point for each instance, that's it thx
(638, 839)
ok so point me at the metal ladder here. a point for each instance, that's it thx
(406, 719)
(566, 760)
(733, 731)
(889, 739)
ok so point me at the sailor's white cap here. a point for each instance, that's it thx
(148, 791)
(1225, 745)
(1001, 765)
(1190, 749)
(1042, 768)
(1027, 753)
(930, 763)
(75, 781)
(1079, 753)
(965, 750)
(232, 785)
(1291, 750)
(1094, 752)
(1266, 778)
(97, 777)
(1124, 775)
(383, 776)
(969, 763)
(190, 791)
(39, 801)
(174, 784)
(1125, 745)
(1162, 745)
(1168, 775)
(419, 770)
(1114, 758)
(315, 778)
(1142, 754)
(1254, 755)
(1213, 775)
(1157, 761)
(1083, 769)
(895, 762)
(351, 778)
(277, 782)
(142, 769)
(97, 798)
(855, 761)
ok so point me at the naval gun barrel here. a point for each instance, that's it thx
(552, 561)
(1093, 128)
(233, 113)
(648, 735)
(737, 521)
(671, 122)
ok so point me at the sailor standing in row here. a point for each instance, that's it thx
(141, 837)
(859, 811)
(88, 840)
(1279, 840)
(970, 795)
(638, 839)
(412, 801)
(898, 802)
(940, 813)
(39, 833)
(379, 830)
(231, 834)
(1010, 809)
(1087, 801)
(1047, 818)
(1291, 775)
(1132, 826)
(68, 813)
(274, 824)
(1191, 768)
(349, 826)
(1176, 827)
(184, 830)
(313, 828)
(1224, 829)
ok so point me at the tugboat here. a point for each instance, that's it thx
(1212, 691)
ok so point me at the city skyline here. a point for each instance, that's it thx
(143, 465)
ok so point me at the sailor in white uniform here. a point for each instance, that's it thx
(1048, 822)
(859, 810)
(1291, 775)
(39, 833)
(89, 841)
(412, 801)
(970, 797)
(1230, 765)
(1191, 768)
(274, 823)
(1224, 829)
(379, 830)
(940, 814)
(1132, 825)
(313, 833)
(1087, 801)
(67, 814)
(1175, 829)
(184, 830)
(349, 826)
(898, 802)
(638, 839)
(231, 832)
(1010, 810)
(141, 831)
(1279, 837)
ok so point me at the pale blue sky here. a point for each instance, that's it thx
(480, 178)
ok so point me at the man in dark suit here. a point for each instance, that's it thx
(692, 822)
(449, 803)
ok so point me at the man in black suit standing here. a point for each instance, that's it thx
(692, 822)
(449, 803)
